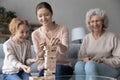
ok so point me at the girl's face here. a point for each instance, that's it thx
(96, 24)
(44, 16)
(22, 33)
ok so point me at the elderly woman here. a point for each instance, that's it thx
(100, 50)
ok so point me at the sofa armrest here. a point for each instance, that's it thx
(2, 55)
(72, 55)
(34, 65)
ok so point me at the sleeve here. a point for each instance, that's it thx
(11, 56)
(82, 52)
(36, 41)
(64, 45)
(114, 61)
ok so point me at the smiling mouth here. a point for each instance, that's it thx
(45, 22)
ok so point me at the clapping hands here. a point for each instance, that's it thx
(98, 60)
(86, 59)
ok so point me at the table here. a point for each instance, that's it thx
(75, 77)
(86, 77)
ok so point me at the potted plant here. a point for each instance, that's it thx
(2, 15)
(9, 16)
(5, 18)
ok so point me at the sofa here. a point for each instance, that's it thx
(72, 54)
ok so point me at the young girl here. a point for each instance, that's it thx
(17, 52)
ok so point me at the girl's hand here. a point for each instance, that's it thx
(34, 60)
(26, 68)
(40, 60)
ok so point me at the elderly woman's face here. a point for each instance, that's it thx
(96, 24)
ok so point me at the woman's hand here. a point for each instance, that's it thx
(41, 50)
(86, 59)
(41, 45)
(98, 60)
(54, 41)
(26, 68)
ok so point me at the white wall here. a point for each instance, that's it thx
(70, 13)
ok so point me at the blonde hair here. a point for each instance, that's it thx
(101, 13)
(15, 23)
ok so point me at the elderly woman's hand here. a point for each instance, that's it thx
(98, 60)
(86, 59)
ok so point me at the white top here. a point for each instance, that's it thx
(106, 47)
(15, 55)
(61, 32)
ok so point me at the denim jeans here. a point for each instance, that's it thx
(17, 76)
(93, 68)
(60, 71)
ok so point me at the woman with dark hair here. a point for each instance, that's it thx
(54, 35)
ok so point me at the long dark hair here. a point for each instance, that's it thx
(44, 5)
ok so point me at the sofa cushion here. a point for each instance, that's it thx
(34, 65)
(1, 57)
(1, 51)
(1, 64)
(34, 68)
(33, 52)
(1, 76)
(72, 53)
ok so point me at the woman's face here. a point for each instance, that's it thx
(96, 23)
(44, 16)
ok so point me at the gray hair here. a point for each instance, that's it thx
(100, 13)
